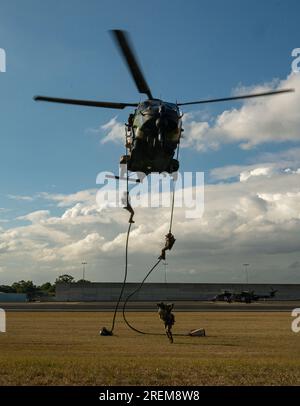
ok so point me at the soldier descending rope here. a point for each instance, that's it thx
(166, 315)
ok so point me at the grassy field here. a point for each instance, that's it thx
(65, 349)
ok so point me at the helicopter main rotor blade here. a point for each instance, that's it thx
(89, 103)
(122, 40)
(245, 96)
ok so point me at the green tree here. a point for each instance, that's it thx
(25, 287)
(7, 289)
(47, 288)
(65, 279)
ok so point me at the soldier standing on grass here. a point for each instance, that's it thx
(166, 315)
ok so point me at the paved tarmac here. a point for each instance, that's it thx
(197, 306)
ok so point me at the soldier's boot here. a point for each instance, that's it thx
(162, 255)
(169, 335)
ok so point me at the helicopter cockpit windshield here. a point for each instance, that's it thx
(155, 104)
(149, 104)
(172, 106)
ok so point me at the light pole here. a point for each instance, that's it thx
(83, 269)
(165, 271)
(246, 271)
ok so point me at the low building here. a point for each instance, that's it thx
(12, 297)
(84, 292)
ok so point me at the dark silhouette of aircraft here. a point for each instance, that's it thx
(225, 296)
(245, 296)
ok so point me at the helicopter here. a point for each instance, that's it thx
(244, 296)
(154, 129)
(225, 296)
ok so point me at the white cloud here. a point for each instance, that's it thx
(287, 161)
(21, 197)
(81, 248)
(65, 200)
(265, 119)
(289, 157)
(264, 171)
(256, 219)
(36, 216)
(113, 131)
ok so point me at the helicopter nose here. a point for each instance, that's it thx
(161, 123)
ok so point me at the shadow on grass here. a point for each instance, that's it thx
(207, 344)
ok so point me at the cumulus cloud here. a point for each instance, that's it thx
(90, 244)
(65, 200)
(256, 219)
(262, 171)
(36, 216)
(265, 119)
(21, 197)
(112, 131)
(266, 164)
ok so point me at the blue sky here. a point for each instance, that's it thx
(188, 50)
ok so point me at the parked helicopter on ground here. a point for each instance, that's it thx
(245, 296)
(154, 130)
(225, 296)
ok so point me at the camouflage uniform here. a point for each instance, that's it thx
(166, 315)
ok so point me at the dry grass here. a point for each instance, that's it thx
(65, 349)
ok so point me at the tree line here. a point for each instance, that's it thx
(34, 292)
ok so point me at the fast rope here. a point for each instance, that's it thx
(132, 294)
(124, 281)
(110, 332)
(150, 271)
(129, 208)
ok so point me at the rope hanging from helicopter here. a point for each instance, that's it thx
(170, 242)
(129, 208)
(130, 222)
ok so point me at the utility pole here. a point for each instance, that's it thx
(246, 271)
(83, 269)
(165, 271)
